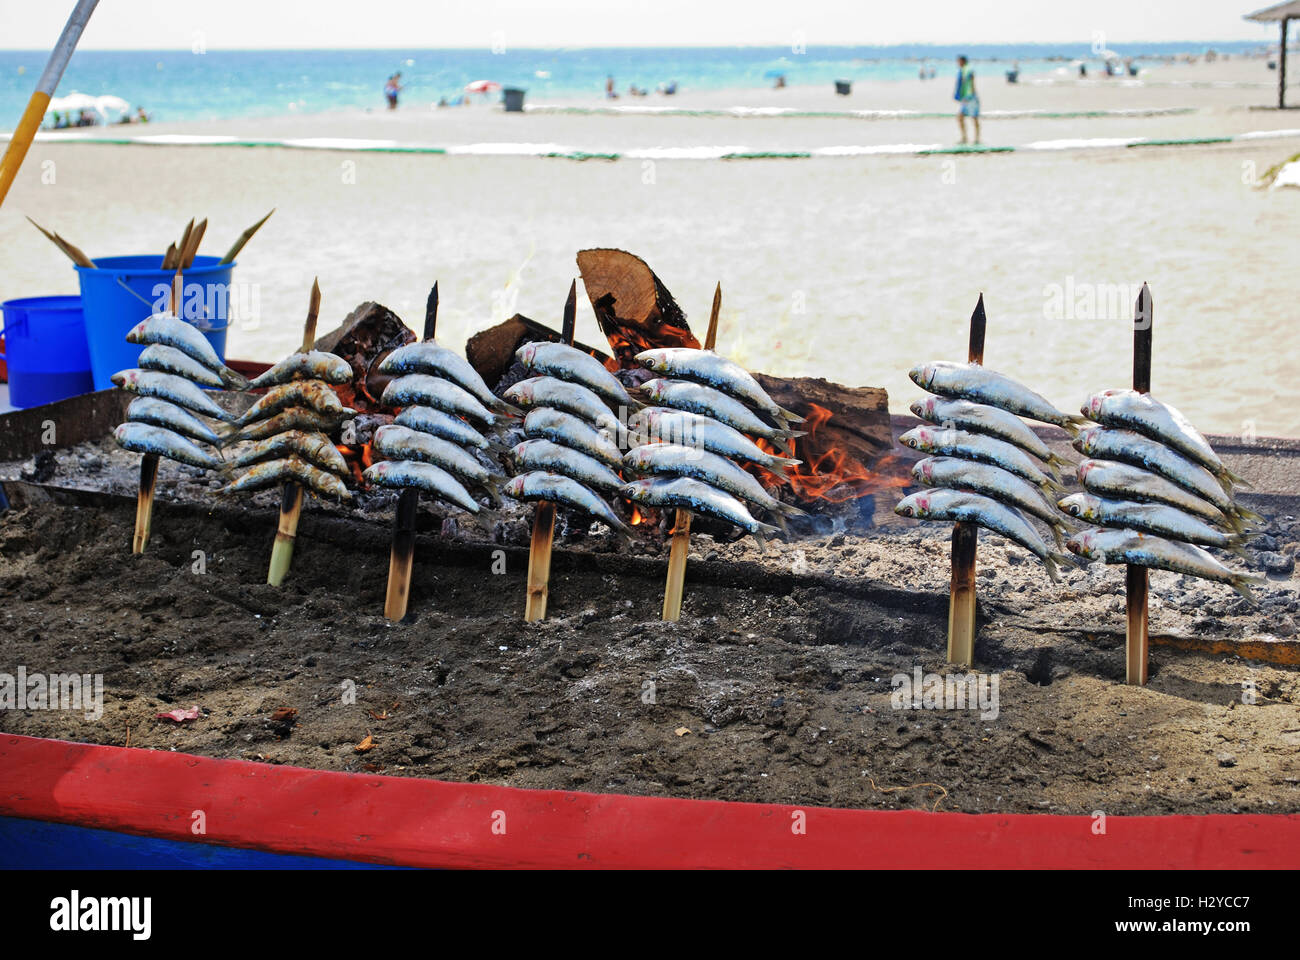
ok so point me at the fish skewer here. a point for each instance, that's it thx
(561, 395)
(670, 459)
(973, 382)
(706, 401)
(706, 367)
(547, 456)
(695, 496)
(160, 413)
(167, 329)
(1157, 519)
(161, 442)
(427, 357)
(565, 362)
(941, 441)
(1109, 479)
(980, 418)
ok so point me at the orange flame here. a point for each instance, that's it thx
(358, 459)
(627, 341)
(832, 474)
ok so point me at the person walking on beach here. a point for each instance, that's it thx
(391, 89)
(968, 99)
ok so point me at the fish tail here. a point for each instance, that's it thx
(1057, 464)
(1074, 424)
(1058, 535)
(1247, 515)
(1243, 582)
(1052, 486)
(761, 532)
(783, 444)
(786, 462)
(1235, 523)
(233, 379)
(789, 415)
(779, 520)
(790, 510)
(493, 487)
(1230, 479)
(1053, 469)
(1049, 562)
(1237, 545)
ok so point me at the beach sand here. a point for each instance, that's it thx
(851, 268)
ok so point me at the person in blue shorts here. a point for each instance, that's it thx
(966, 96)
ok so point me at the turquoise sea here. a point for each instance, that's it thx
(179, 85)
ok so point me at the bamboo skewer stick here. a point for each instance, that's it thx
(539, 551)
(681, 533)
(169, 258)
(72, 253)
(291, 500)
(192, 248)
(965, 541)
(401, 558)
(1137, 633)
(149, 472)
(244, 238)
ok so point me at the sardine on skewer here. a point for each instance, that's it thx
(1159, 519)
(708, 402)
(305, 365)
(161, 413)
(539, 485)
(1107, 478)
(420, 389)
(161, 442)
(713, 370)
(312, 446)
(569, 363)
(312, 394)
(567, 430)
(412, 474)
(1002, 485)
(295, 469)
(171, 331)
(693, 430)
(941, 441)
(683, 493)
(971, 381)
(435, 360)
(165, 359)
(169, 387)
(961, 507)
(439, 423)
(396, 442)
(572, 398)
(673, 459)
(1145, 550)
(550, 457)
(981, 418)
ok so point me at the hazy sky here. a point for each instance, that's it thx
(242, 24)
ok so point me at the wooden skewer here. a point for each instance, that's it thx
(192, 248)
(185, 237)
(291, 499)
(169, 258)
(539, 551)
(244, 238)
(681, 543)
(965, 540)
(149, 473)
(1137, 638)
(401, 558)
(72, 253)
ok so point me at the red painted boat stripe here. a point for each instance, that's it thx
(432, 823)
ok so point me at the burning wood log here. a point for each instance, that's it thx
(367, 335)
(634, 309)
(681, 533)
(291, 500)
(539, 552)
(492, 351)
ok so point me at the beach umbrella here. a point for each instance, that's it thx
(109, 102)
(482, 86)
(73, 101)
(773, 74)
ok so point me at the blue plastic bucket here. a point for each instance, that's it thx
(119, 292)
(45, 350)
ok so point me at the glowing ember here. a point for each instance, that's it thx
(627, 341)
(358, 459)
(831, 474)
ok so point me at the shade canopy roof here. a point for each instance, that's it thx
(1281, 11)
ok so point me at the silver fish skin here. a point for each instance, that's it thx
(572, 398)
(549, 457)
(981, 418)
(438, 423)
(146, 438)
(294, 418)
(430, 358)
(961, 507)
(1128, 446)
(315, 448)
(698, 497)
(567, 430)
(1107, 478)
(289, 469)
(404, 474)
(396, 442)
(165, 359)
(169, 387)
(712, 370)
(305, 365)
(539, 485)
(1155, 518)
(970, 381)
(693, 430)
(984, 449)
(697, 398)
(1146, 415)
(160, 413)
(994, 482)
(569, 363)
(675, 459)
(1145, 550)
(171, 331)
(312, 394)
(421, 389)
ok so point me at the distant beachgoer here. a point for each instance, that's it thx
(780, 82)
(921, 73)
(140, 116)
(1083, 70)
(933, 73)
(1013, 75)
(968, 99)
(610, 93)
(392, 88)
(668, 89)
